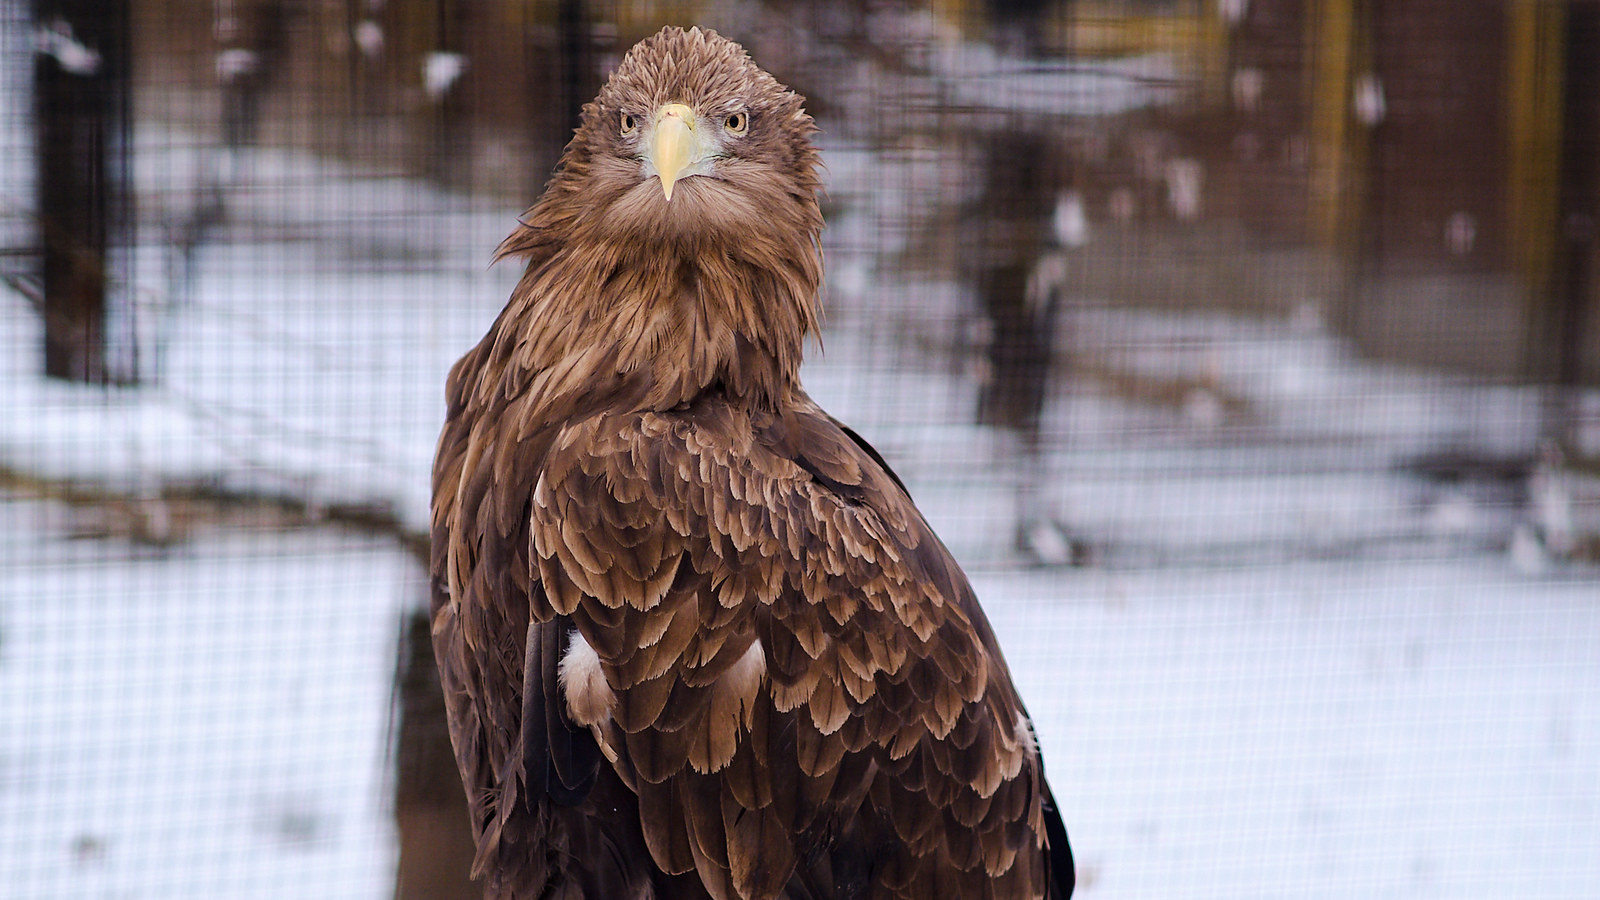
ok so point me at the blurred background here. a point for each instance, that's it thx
(1246, 353)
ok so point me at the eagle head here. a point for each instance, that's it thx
(689, 142)
(677, 247)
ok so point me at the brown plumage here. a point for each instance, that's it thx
(694, 637)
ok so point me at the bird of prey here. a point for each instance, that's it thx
(694, 637)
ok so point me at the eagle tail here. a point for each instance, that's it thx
(1063, 875)
(559, 759)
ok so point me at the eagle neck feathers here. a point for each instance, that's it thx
(657, 325)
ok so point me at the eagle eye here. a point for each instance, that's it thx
(737, 123)
(630, 123)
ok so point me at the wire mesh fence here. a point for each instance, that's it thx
(1244, 352)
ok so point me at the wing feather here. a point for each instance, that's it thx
(794, 655)
(661, 814)
(761, 851)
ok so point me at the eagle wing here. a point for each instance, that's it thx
(782, 661)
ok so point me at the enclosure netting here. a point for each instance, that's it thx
(1244, 352)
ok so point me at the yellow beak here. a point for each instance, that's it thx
(672, 144)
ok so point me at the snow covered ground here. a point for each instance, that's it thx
(1294, 669)
(1402, 729)
(211, 721)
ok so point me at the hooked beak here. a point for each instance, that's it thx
(673, 147)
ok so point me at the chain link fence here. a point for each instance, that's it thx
(1245, 352)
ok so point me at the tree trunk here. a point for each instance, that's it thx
(82, 108)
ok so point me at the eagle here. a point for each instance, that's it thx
(694, 637)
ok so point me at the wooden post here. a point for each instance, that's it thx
(430, 807)
(448, 70)
(577, 67)
(81, 104)
(1579, 225)
(1535, 32)
(1332, 34)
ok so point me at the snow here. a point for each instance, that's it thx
(974, 76)
(306, 356)
(440, 70)
(235, 62)
(278, 379)
(1398, 729)
(369, 37)
(210, 722)
(57, 39)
